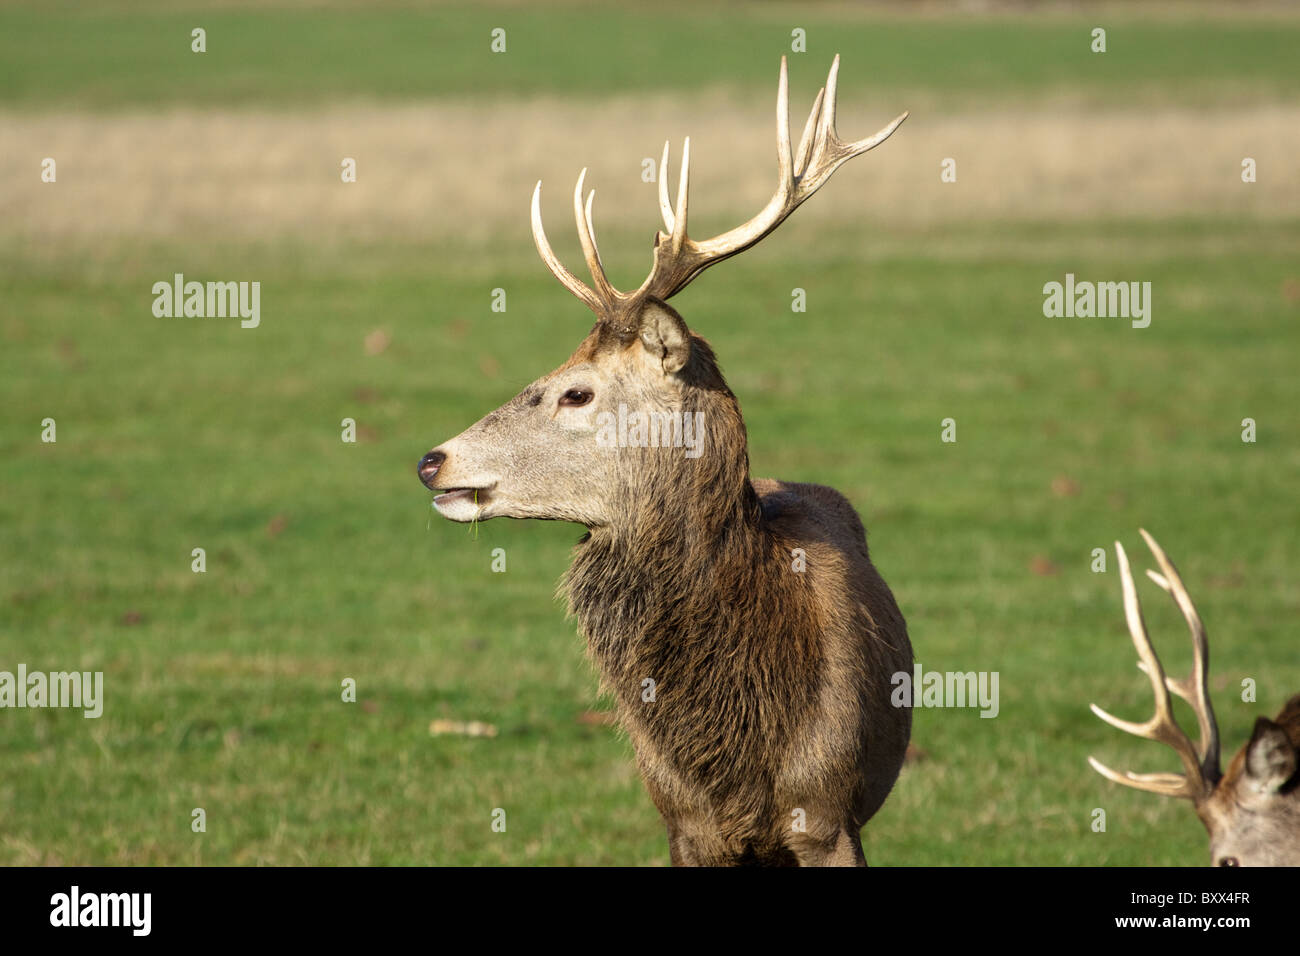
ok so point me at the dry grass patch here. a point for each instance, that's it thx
(444, 170)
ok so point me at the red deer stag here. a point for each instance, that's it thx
(1253, 811)
(739, 624)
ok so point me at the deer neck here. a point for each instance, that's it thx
(681, 551)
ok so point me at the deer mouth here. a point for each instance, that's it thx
(461, 504)
(476, 496)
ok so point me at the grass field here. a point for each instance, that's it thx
(324, 561)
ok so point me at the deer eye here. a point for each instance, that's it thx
(576, 397)
(1229, 861)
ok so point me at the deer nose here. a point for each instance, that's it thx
(428, 467)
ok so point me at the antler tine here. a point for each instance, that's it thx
(807, 141)
(827, 129)
(1166, 784)
(784, 161)
(665, 206)
(678, 238)
(1161, 726)
(1194, 688)
(567, 278)
(880, 135)
(596, 249)
(586, 234)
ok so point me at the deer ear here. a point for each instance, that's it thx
(1270, 756)
(664, 335)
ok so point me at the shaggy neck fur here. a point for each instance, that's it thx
(690, 588)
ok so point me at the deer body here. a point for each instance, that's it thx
(739, 624)
(771, 689)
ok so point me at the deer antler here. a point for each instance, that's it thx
(677, 258)
(1202, 768)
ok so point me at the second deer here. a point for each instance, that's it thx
(1252, 812)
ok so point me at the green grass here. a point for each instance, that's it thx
(324, 562)
(223, 689)
(120, 56)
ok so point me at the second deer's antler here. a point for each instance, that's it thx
(677, 258)
(1202, 766)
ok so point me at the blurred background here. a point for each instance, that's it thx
(924, 298)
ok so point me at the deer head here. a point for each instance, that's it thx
(540, 454)
(1252, 812)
